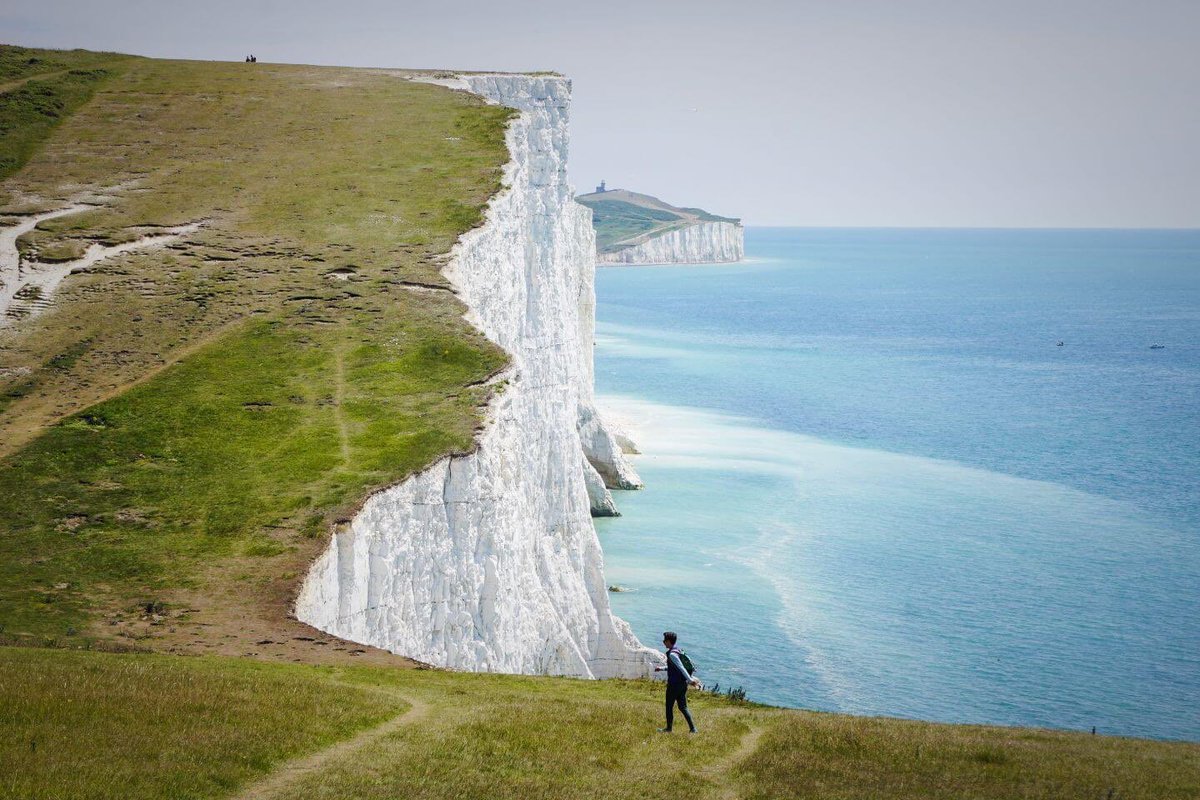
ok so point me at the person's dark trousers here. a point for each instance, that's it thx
(677, 693)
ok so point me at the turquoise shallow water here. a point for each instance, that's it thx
(876, 485)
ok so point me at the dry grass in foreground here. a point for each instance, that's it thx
(98, 725)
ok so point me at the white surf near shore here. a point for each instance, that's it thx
(900, 585)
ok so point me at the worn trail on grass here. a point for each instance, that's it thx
(721, 771)
(10, 253)
(19, 82)
(339, 398)
(33, 290)
(292, 771)
(26, 286)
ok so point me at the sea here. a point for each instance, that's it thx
(949, 475)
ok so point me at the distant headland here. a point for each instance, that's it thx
(633, 228)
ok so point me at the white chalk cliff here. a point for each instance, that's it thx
(490, 562)
(701, 243)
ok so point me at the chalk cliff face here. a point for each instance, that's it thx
(490, 562)
(702, 243)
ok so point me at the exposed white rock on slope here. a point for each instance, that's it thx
(702, 243)
(490, 562)
(26, 287)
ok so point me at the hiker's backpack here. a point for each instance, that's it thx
(687, 663)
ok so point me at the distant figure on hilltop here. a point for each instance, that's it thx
(251, 59)
(679, 677)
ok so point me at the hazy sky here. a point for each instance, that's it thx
(880, 112)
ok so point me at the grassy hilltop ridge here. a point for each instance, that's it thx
(40, 88)
(182, 426)
(247, 385)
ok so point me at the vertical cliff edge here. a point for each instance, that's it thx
(490, 561)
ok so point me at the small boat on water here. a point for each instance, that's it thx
(1157, 346)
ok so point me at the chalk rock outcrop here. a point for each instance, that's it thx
(490, 562)
(701, 243)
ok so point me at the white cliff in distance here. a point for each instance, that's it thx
(490, 561)
(635, 228)
(700, 243)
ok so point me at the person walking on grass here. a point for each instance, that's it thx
(678, 680)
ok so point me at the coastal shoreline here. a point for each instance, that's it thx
(874, 530)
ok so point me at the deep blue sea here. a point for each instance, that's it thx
(876, 484)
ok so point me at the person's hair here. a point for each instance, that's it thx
(670, 637)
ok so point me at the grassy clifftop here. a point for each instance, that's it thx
(182, 425)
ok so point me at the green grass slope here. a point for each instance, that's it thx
(99, 725)
(185, 423)
(623, 218)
